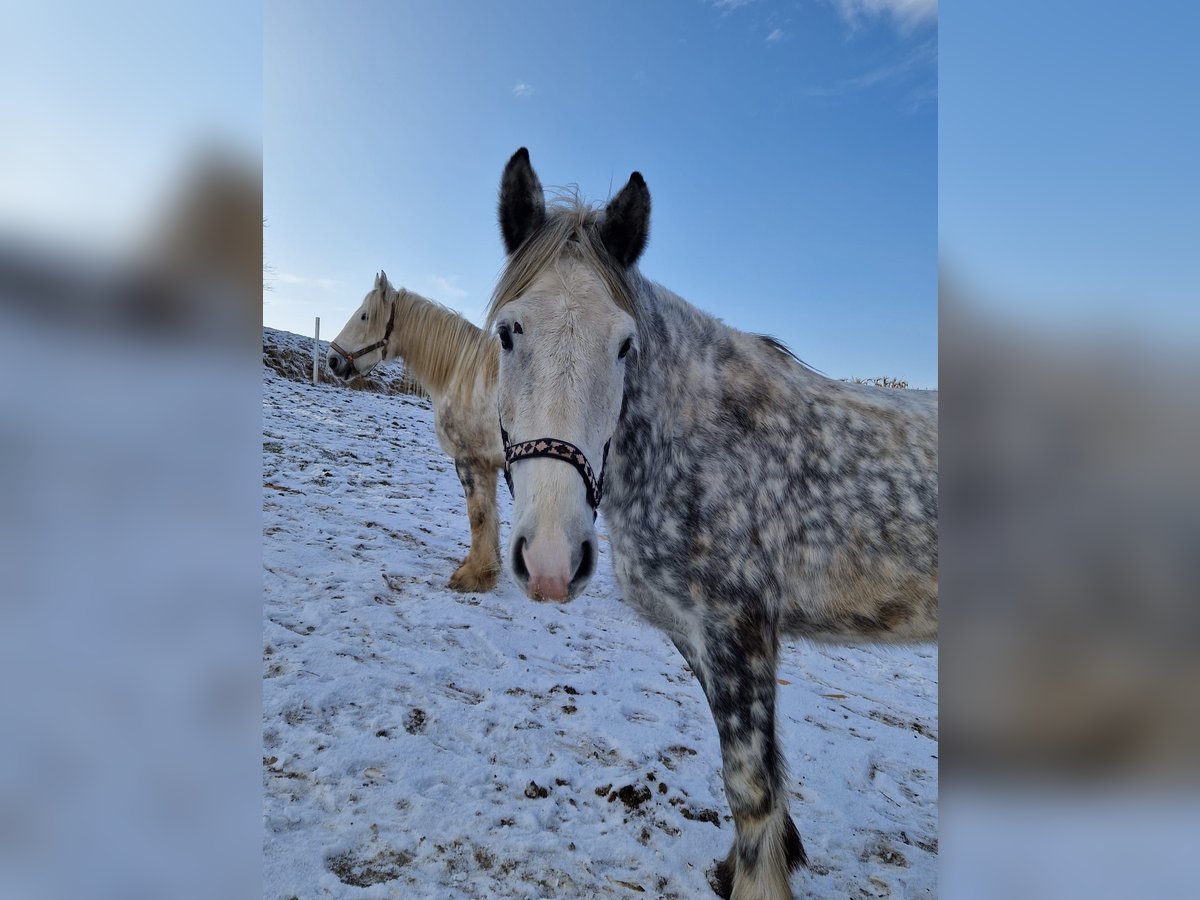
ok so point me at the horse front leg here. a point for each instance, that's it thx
(736, 667)
(481, 568)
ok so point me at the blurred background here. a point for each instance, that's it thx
(130, 298)
(1070, 434)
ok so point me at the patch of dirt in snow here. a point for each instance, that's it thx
(424, 743)
(383, 866)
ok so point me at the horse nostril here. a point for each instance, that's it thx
(518, 561)
(587, 564)
(333, 363)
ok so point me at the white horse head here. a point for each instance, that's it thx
(362, 344)
(562, 312)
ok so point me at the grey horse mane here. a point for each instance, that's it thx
(784, 350)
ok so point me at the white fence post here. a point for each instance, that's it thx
(317, 352)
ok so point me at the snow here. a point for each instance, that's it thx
(423, 743)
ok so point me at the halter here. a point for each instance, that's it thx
(387, 333)
(553, 448)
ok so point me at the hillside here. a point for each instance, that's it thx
(291, 356)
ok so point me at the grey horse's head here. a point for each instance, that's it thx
(564, 313)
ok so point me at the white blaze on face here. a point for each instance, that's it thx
(562, 376)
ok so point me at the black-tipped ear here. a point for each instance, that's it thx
(627, 221)
(522, 202)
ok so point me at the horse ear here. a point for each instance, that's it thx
(626, 225)
(381, 281)
(522, 203)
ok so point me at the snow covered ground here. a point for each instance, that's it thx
(423, 743)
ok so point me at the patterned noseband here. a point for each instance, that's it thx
(387, 333)
(556, 449)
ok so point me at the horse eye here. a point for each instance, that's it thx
(505, 337)
(625, 348)
(364, 317)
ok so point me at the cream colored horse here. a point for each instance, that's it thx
(456, 363)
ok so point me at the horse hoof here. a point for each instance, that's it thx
(720, 878)
(468, 582)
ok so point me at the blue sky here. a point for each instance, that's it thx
(790, 150)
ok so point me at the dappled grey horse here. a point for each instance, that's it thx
(746, 497)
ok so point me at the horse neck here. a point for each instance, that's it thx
(674, 332)
(438, 346)
(670, 392)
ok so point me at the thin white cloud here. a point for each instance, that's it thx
(522, 90)
(776, 36)
(905, 14)
(915, 70)
(289, 278)
(446, 288)
(730, 5)
(923, 55)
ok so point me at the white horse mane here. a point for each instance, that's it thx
(444, 350)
